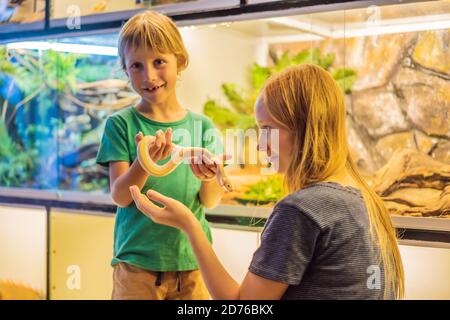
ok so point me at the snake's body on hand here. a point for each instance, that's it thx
(178, 155)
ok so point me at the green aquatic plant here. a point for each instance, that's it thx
(61, 70)
(16, 165)
(33, 114)
(38, 80)
(44, 78)
(6, 143)
(267, 190)
(91, 73)
(6, 67)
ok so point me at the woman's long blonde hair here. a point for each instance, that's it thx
(309, 102)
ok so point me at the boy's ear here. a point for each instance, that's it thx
(181, 62)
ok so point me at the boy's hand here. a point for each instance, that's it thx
(162, 147)
(204, 168)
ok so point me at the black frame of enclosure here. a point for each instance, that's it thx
(112, 22)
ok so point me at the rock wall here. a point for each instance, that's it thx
(401, 98)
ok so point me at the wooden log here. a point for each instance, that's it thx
(410, 167)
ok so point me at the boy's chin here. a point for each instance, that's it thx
(152, 98)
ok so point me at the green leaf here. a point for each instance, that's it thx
(266, 190)
(327, 61)
(302, 57)
(258, 75)
(61, 70)
(345, 78)
(6, 144)
(221, 116)
(5, 64)
(235, 98)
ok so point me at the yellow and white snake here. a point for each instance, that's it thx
(178, 155)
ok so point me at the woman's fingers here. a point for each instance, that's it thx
(135, 193)
(143, 203)
(158, 197)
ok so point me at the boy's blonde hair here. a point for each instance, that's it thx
(308, 101)
(156, 32)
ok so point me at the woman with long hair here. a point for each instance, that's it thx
(331, 237)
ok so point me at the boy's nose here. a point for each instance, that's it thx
(150, 74)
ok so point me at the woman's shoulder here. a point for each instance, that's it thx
(325, 202)
(330, 191)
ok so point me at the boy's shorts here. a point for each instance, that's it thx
(134, 283)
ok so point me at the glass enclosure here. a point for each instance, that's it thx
(392, 62)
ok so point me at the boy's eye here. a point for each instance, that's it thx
(159, 62)
(135, 65)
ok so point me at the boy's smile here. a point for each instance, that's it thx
(153, 88)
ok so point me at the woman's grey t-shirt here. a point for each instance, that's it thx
(317, 241)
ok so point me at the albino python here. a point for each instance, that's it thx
(178, 155)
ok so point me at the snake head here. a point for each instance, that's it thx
(227, 184)
(224, 181)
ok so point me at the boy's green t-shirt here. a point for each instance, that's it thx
(137, 239)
